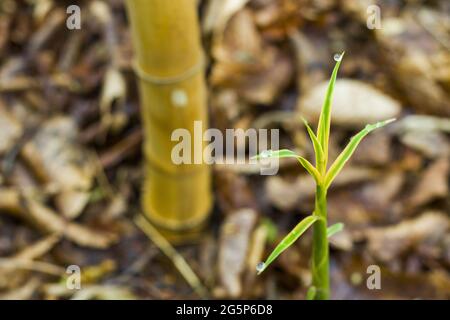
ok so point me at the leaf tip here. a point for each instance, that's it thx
(390, 120)
(304, 120)
(339, 56)
(263, 155)
(260, 267)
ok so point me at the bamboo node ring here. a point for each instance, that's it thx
(192, 71)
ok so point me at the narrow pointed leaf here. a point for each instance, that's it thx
(335, 228)
(285, 153)
(323, 129)
(345, 155)
(292, 236)
(310, 168)
(317, 147)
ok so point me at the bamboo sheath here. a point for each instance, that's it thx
(169, 63)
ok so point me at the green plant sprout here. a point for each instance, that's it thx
(320, 288)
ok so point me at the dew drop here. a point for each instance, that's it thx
(266, 153)
(260, 266)
(337, 57)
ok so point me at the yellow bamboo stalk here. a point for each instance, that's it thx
(169, 63)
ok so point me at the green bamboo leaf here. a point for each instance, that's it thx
(317, 147)
(311, 294)
(323, 129)
(285, 153)
(345, 155)
(287, 241)
(310, 168)
(335, 228)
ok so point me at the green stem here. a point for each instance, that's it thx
(320, 263)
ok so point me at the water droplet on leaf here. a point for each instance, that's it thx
(266, 154)
(260, 266)
(337, 57)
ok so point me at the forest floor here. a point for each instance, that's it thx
(71, 159)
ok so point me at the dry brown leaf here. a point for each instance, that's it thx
(347, 207)
(72, 202)
(381, 192)
(13, 270)
(49, 221)
(423, 123)
(235, 237)
(376, 149)
(425, 134)
(342, 240)
(113, 90)
(285, 195)
(23, 292)
(218, 13)
(240, 43)
(104, 292)
(432, 144)
(257, 71)
(412, 48)
(310, 52)
(388, 243)
(14, 266)
(233, 192)
(10, 201)
(432, 185)
(57, 159)
(355, 104)
(88, 292)
(39, 248)
(10, 130)
(278, 18)
(265, 86)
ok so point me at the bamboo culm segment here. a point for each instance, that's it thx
(168, 52)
